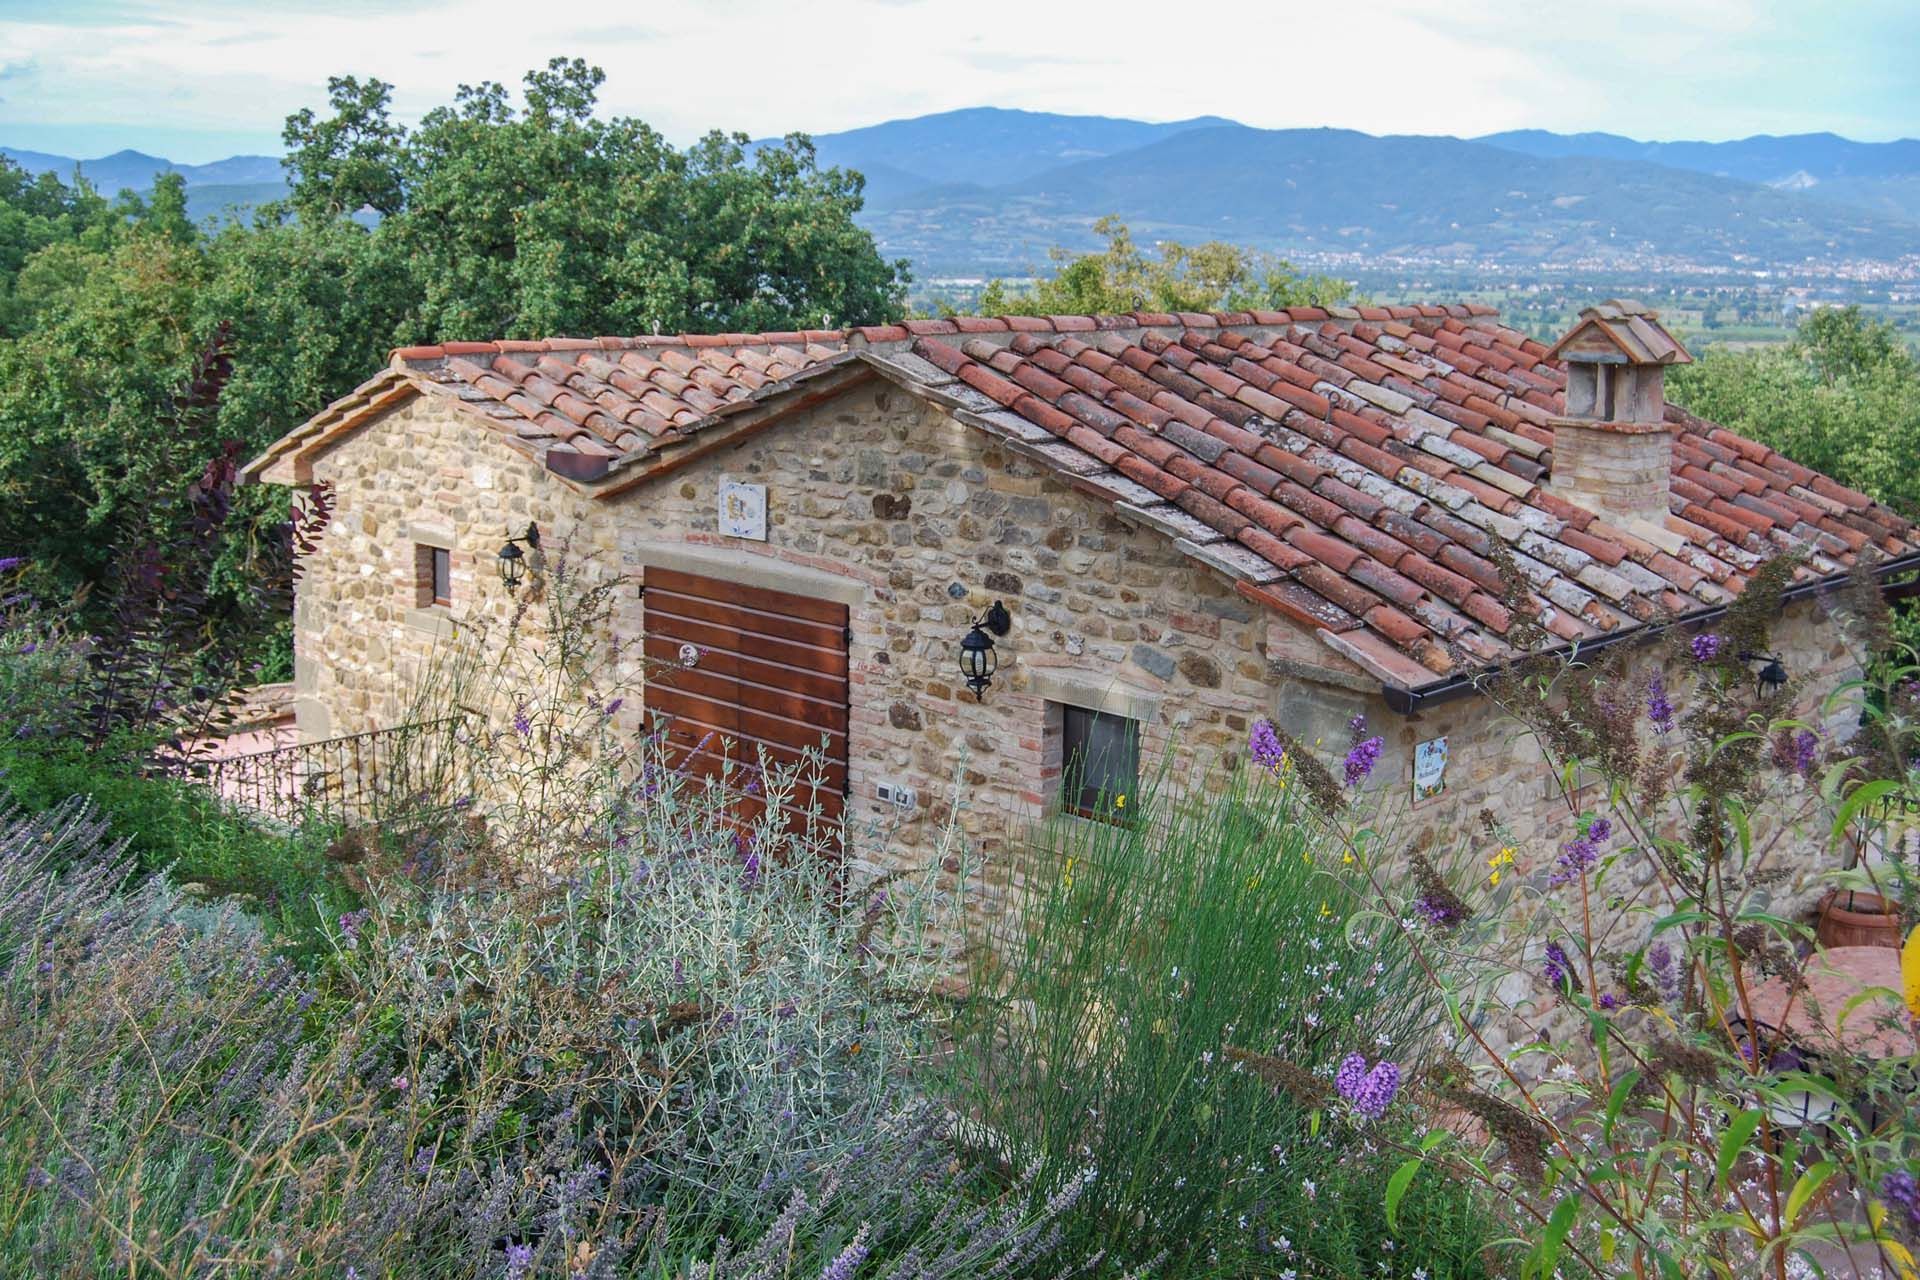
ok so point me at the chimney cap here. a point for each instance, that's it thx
(1620, 332)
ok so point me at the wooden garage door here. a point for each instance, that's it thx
(769, 682)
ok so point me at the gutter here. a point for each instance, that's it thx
(1409, 701)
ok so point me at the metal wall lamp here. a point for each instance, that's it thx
(978, 661)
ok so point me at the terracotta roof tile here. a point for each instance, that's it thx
(1371, 457)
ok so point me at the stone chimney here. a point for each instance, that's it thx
(1612, 446)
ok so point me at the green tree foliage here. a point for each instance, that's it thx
(1842, 398)
(1215, 276)
(545, 219)
(488, 220)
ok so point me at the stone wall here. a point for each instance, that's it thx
(1619, 470)
(918, 523)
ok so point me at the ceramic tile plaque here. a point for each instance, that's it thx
(743, 510)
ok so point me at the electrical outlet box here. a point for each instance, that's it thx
(897, 794)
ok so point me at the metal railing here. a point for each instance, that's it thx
(360, 777)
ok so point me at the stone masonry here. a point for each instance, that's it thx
(880, 499)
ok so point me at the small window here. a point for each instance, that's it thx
(433, 575)
(1100, 755)
(442, 576)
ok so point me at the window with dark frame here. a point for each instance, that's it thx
(433, 575)
(1100, 755)
(442, 576)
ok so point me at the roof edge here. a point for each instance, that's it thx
(1408, 700)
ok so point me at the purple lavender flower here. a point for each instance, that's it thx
(9, 563)
(1369, 1092)
(1580, 853)
(519, 1259)
(1378, 1091)
(1806, 749)
(1558, 970)
(1707, 646)
(1263, 744)
(1608, 1001)
(614, 706)
(1438, 912)
(1361, 759)
(1350, 1076)
(1901, 1190)
(843, 1267)
(1666, 973)
(1659, 708)
(522, 725)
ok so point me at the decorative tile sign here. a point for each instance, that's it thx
(743, 510)
(1429, 768)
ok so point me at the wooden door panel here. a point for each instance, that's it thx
(720, 639)
(821, 686)
(769, 685)
(811, 608)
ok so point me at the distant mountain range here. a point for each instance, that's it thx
(236, 182)
(987, 191)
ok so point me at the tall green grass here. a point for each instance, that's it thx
(1135, 952)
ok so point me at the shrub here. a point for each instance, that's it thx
(1139, 954)
(1652, 1118)
(678, 1059)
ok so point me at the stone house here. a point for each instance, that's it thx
(1192, 521)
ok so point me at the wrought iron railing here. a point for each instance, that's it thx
(361, 777)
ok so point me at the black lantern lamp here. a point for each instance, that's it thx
(513, 559)
(1772, 677)
(978, 661)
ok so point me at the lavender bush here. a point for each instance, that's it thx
(668, 1062)
(1186, 1003)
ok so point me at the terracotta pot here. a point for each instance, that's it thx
(1855, 919)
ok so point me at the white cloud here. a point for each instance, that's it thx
(1707, 67)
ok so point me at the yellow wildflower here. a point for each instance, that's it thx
(1120, 801)
(1504, 858)
(1066, 876)
(1325, 911)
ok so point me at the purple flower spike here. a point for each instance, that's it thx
(1581, 853)
(1901, 1190)
(1806, 750)
(843, 1267)
(1558, 969)
(1707, 646)
(1369, 1092)
(1659, 708)
(1263, 744)
(1360, 761)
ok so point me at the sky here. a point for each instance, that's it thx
(199, 81)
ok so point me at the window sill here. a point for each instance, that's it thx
(436, 620)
